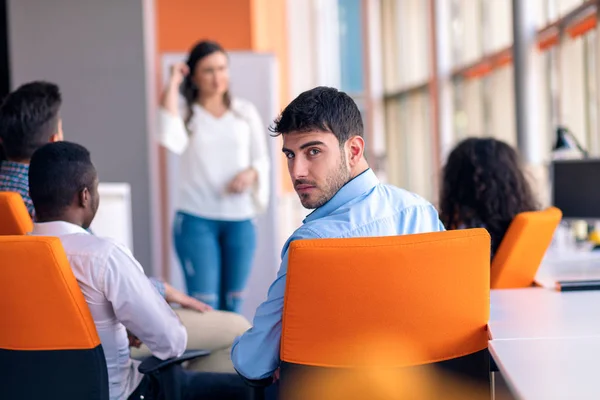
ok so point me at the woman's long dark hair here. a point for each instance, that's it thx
(189, 90)
(483, 185)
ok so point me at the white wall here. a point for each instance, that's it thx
(97, 52)
(113, 219)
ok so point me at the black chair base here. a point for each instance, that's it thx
(165, 375)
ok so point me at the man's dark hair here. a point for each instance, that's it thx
(324, 109)
(57, 172)
(28, 118)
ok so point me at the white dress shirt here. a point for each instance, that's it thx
(120, 297)
(212, 153)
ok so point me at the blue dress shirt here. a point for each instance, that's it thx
(363, 207)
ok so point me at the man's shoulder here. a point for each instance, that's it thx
(83, 244)
(383, 201)
(17, 179)
(12, 169)
(402, 198)
(365, 216)
(307, 231)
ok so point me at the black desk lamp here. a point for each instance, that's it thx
(565, 140)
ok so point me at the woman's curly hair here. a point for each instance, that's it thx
(483, 186)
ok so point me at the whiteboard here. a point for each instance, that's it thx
(113, 218)
(254, 78)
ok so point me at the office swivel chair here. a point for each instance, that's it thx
(394, 302)
(49, 346)
(14, 217)
(521, 251)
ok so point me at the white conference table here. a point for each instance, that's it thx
(546, 343)
(549, 368)
(576, 265)
(535, 313)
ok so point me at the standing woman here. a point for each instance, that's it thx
(224, 176)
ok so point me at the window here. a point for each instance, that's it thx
(410, 152)
(481, 82)
(351, 46)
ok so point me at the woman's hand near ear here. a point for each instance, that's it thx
(170, 96)
(178, 72)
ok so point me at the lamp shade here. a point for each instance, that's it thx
(565, 140)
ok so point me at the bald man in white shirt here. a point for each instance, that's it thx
(63, 187)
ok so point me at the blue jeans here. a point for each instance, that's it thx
(216, 257)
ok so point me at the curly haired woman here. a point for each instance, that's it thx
(483, 186)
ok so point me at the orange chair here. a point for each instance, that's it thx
(14, 217)
(49, 347)
(521, 251)
(391, 302)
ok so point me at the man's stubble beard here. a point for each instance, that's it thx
(333, 184)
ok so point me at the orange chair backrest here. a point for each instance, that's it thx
(42, 305)
(14, 217)
(387, 301)
(521, 251)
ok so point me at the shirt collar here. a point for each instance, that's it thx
(11, 165)
(360, 184)
(56, 228)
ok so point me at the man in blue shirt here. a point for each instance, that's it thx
(323, 141)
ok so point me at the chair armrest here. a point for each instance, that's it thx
(257, 383)
(259, 386)
(153, 364)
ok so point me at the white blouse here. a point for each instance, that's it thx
(212, 154)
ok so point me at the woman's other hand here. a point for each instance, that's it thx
(242, 181)
(175, 296)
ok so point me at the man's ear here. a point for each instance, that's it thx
(356, 148)
(84, 197)
(58, 136)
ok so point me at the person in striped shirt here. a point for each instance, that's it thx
(29, 118)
